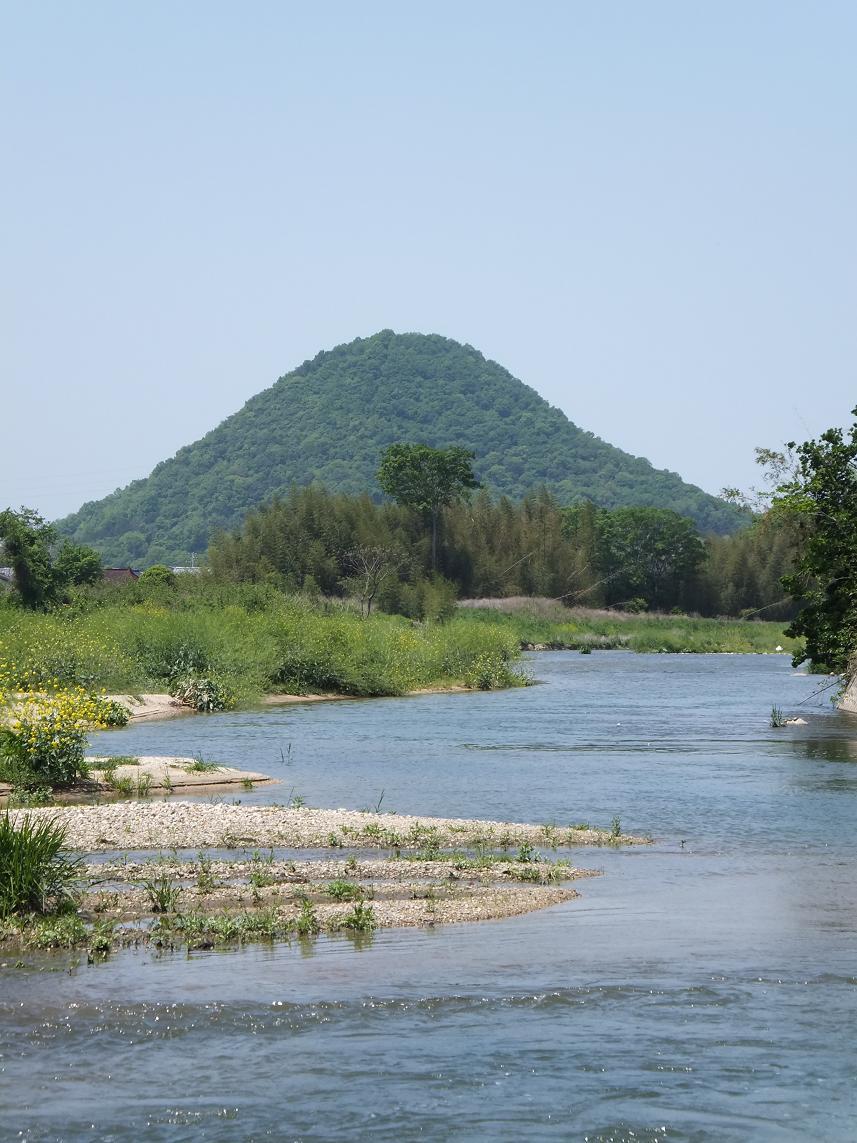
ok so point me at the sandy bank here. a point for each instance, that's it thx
(151, 707)
(150, 774)
(155, 773)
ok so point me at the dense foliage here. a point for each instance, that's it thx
(821, 500)
(43, 735)
(640, 557)
(43, 571)
(545, 623)
(330, 420)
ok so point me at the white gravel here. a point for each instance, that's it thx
(182, 825)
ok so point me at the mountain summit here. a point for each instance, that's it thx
(330, 419)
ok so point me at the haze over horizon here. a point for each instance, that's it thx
(646, 214)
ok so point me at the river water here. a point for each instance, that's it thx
(704, 988)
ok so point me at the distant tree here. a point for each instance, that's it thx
(822, 498)
(427, 479)
(158, 575)
(778, 468)
(584, 525)
(652, 553)
(27, 542)
(77, 564)
(369, 567)
(41, 580)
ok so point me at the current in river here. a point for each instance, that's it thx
(703, 988)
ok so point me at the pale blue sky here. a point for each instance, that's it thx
(646, 211)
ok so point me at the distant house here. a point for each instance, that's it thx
(120, 575)
(7, 577)
(193, 570)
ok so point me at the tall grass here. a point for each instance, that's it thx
(274, 643)
(35, 874)
(215, 640)
(549, 623)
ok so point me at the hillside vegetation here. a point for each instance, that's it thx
(329, 420)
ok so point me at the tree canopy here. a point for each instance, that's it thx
(821, 497)
(40, 579)
(316, 540)
(427, 479)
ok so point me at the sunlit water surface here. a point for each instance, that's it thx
(702, 989)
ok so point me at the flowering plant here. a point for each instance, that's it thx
(44, 735)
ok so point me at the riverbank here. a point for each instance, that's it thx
(545, 624)
(231, 647)
(124, 776)
(222, 653)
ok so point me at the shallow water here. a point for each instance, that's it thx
(703, 988)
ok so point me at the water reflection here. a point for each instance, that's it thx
(829, 748)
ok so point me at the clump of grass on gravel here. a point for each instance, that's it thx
(36, 875)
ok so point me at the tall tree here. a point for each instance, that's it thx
(822, 497)
(78, 564)
(368, 567)
(27, 541)
(427, 479)
(652, 552)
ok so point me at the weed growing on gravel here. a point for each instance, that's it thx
(163, 893)
(307, 923)
(345, 891)
(200, 766)
(361, 919)
(205, 881)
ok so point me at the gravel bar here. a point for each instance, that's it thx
(177, 824)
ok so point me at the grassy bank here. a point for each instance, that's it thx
(247, 644)
(538, 622)
(232, 645)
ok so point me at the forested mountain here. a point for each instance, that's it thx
(329, 420)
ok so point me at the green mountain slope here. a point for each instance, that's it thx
(330, 419)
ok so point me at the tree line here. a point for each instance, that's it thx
(634, 558)
(436, 542)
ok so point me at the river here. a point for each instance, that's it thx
(704, 988)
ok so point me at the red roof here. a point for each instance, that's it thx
(120, 575)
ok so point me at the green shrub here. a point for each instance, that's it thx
(111, 713)
(157, 576)
(35, 874)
